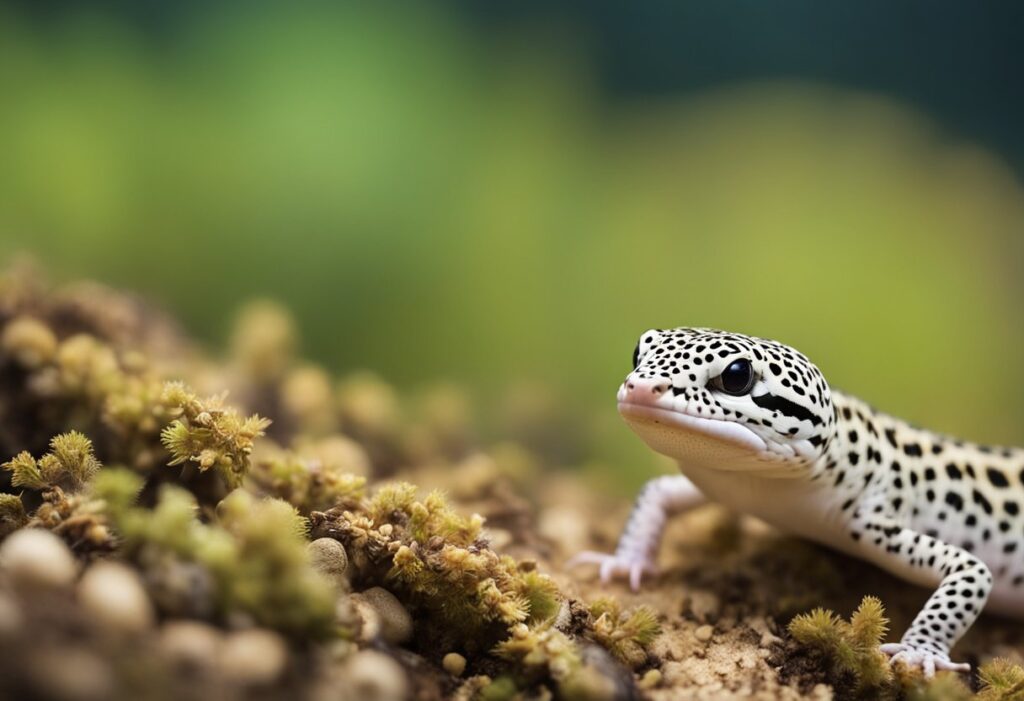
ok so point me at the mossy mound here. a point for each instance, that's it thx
(206, 481)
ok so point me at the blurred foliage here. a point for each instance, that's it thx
(431, 204)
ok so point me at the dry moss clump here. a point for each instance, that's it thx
(849, 648)
(1002, 680)
(466, 597)
(207, 434)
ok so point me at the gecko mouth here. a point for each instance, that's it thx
(645, 416)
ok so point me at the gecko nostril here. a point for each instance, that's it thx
(630, 385)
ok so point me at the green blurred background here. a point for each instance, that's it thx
(504, 192)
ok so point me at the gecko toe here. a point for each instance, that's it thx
(612, 565)
(928, 661)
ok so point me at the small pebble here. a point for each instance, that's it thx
(328, 557)
(454, 664)
(704, 633)
(651, 679)
(373, 676)
(253, 657)
(114, 595)
(190, 643)
(395, 621)
(32, 556)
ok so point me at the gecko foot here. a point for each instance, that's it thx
(928, 661)
(611, 565)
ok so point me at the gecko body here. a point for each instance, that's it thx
(755, 427)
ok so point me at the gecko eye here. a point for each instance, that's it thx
(636, 356)
(737, 379)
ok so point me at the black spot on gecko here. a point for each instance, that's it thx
(981, 501)
(890, 435)
(912, 449)
(997, 478)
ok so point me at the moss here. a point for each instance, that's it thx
(501, 689)
(625, 634)
(542, 653)
(437, 560)
(255, 552)
(29, 341)
(850, 648)
(268, 573)
(208, 434)
(12, 514)
(70, 463)
(308, 484)
(263, 340)
(944, 687)
(856, 668)
(64, 503)
(1002, 680)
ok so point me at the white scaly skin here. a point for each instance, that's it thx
(933, 510)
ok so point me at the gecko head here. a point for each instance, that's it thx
(727, 401)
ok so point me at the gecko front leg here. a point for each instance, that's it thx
(636, 552)
(963, 584)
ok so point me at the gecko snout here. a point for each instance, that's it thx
(640, 388)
